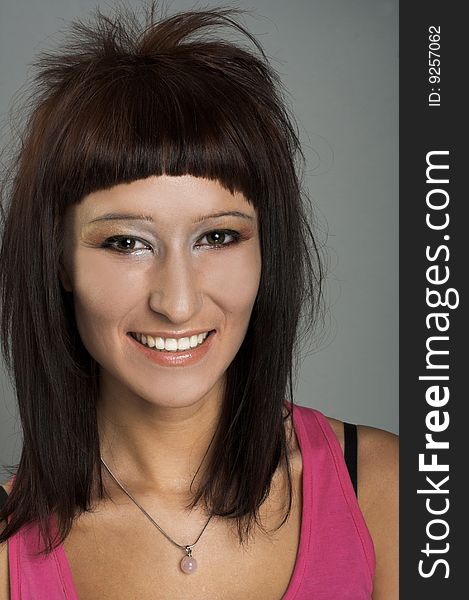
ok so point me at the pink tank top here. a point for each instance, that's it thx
(335, 557)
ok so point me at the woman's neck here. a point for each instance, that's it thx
(153, 448)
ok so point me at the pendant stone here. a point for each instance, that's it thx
(188, 563)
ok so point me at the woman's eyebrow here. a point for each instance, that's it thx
(148, 218)
(231, 213)
(122, 217)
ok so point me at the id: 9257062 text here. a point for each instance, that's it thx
(434, 65)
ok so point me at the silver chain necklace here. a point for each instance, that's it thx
(188, 564)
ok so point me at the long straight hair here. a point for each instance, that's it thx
(121, 100)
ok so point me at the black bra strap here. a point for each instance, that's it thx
(350, 452)
(3, 496)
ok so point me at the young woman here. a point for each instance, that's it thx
(156, 260)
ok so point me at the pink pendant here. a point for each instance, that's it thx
(188, 565)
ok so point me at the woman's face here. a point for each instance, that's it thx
(166, 257)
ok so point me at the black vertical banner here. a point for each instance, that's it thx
(434, 268)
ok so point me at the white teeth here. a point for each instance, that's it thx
(184, 343)
(170, 344)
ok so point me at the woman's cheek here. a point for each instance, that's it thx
(105, 289)
(234, 282)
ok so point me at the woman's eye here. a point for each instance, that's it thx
(125, 244)
(217, 238)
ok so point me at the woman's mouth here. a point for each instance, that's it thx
(173, 351)
(171, 344)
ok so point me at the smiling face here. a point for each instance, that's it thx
(150, 257)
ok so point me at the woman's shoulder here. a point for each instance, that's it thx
(378, 450)
(378, 495)
(377, 463)
(378, 469)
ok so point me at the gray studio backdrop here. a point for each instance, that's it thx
(339, 61)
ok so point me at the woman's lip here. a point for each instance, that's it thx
(175, 359)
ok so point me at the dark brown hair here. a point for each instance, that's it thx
(120, 101)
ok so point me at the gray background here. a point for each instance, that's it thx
(339, 61)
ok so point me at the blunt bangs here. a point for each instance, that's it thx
(204, 109)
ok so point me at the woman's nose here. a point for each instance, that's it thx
(175, 288)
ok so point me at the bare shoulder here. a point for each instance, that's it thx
(378, 467)
(378, 460)
(378, 485)
(378, 495)
(4, 575)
